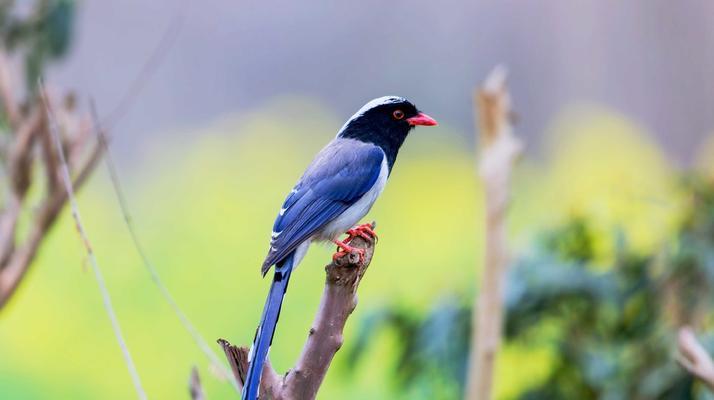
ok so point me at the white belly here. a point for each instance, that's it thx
(350, 217)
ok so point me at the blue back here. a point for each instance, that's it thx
(338, 177)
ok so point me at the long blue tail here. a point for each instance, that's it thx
(266, 329)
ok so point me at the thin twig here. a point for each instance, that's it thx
(6, 92)
(16, 258)
(271, 384)
(20, 174)
(129, 222)
(694, 357)
(500, 148)
(67, 180)
(12, 273)
(20, 156)
(194, 386)
(238, 360)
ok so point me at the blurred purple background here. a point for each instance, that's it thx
(652, 60)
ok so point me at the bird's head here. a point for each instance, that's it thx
(385, 120)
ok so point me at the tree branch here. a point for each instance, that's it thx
(500, 149)
(237, 359)
(694, 357)
(7, 95)
(20, 171)
(195, 389)
(16, 255)
(339, 299)
(19, 258)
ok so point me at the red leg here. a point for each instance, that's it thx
(364, 231)
(346, 249)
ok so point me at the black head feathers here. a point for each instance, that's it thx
(385, 122)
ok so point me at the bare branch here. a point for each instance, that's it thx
(79, 142)
(17, 265)
(194, 386)
(8, 226)
(20, 171)
(500, 150)
(694, 357)
(20, 157)
(7, 96)
(16, 255)
(16, 262)
(237, 359)
(51, 162)
(339, 299)
(67, 180)
(270, 382)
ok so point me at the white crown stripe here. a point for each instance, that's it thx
(370, 105)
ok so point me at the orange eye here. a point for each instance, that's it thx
(398, 114)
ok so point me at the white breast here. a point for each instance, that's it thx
(350, 217)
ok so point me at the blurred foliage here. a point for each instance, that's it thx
(40, 31)
(612, 331)
(430, 359)
(204, 205)
(37, 32)
(591, 312)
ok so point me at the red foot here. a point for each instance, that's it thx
(364, 231)
(346, 249)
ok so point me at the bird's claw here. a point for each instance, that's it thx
(345, 249)
(364, 231)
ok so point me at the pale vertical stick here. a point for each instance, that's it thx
(106, 299)
(500, 149)
(195, 388)
(129, 221)
(694, 357)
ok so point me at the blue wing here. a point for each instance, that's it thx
(339, 176)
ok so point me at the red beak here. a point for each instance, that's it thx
(422, 119)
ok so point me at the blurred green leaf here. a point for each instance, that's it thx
(613, 329)
(41, 36)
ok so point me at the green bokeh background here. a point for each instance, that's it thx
(204, 206)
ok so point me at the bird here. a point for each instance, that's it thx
(334, 193)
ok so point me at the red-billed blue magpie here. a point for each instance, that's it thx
(335, 192)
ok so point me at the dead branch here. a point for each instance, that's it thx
(237, 359)
(31, 131)
(339, 299)
(694, 357)
(194, 386)
(7, 95)
(19, 166)
(17, 254)
(500, 149)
